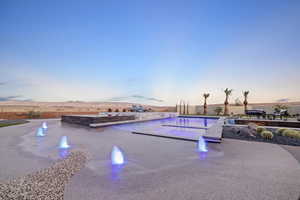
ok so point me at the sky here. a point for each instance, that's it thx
(149, 51)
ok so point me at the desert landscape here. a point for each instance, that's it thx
(44, 110)
(34, 109)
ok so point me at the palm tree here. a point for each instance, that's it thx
(246, 93)
(180, 111)
(227, 93)
(205, 95)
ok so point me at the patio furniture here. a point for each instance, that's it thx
(258, 113)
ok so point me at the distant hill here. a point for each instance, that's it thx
(71, 106)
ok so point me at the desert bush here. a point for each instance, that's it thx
(291, 133)
(281, 130)
(260, 129)
(33, 114)
(218, 110)
(267, 135)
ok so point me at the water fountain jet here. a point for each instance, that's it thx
(40, 132)
(202, 145)
(117, 157)
(44, 125)
(64, 143)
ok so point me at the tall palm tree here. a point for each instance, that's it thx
(187, 108)
(205, 95)
(228, 92)
(180, 106)
(246, 93)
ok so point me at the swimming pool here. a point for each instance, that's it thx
(189, 128)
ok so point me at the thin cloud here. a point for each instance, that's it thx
(135, 97)
(10, 98)
(285, 100)
(118, 99)
(147, 98)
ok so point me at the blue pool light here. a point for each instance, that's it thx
(64, 153)
(117, 157)
(44, 125)
(64, 143)
(202, 145)
(40, 132)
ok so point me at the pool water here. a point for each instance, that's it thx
(182, 127)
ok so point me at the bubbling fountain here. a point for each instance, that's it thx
(64, 143)
(40, 132)
(44, 125)
(117, 157)
(202, 145)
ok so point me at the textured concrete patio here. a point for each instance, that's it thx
(156, 168)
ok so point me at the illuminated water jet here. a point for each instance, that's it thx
(40, 132)
(44, 125)
(117, 157)
(202, 145)
(64, 143)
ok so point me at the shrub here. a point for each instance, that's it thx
(281, 130)
(218, 110)
(267, 135)
(260, 129)
(291, 133)
(33, 114)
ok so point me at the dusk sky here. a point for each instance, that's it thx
(154, 52)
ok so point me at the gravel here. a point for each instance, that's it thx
(47, 184)
(244, 133)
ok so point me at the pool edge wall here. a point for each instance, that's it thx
(87, 120)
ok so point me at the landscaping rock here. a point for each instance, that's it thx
(47, 184)
(249, 133)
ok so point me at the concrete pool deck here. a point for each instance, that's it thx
(156, 168)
